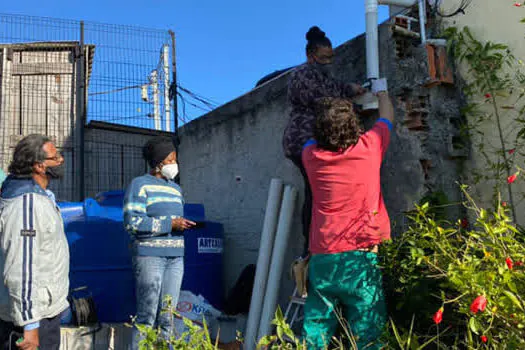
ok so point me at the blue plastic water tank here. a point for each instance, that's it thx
(203, 262)
(101, 258)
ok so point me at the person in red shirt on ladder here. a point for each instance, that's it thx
(349, 221)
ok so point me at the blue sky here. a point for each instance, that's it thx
(223, 47)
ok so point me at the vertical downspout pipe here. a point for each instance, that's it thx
(276, 267)
(372, 45)
(273, 205)
(422, 21)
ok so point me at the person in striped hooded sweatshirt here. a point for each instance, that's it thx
(153, 215)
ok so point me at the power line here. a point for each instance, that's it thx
(196, 97)
(183, 116)
(200, 96)
(116, 90)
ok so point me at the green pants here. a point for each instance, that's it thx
(345, 289)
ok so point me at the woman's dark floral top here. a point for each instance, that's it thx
(308, 83)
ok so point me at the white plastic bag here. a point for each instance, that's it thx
(196, 309)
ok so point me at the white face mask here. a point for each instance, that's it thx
(169, 171)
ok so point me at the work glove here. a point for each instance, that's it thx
(379, 85)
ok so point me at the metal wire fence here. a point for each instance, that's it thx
(115, 169)
(130, 77)
(57, 75)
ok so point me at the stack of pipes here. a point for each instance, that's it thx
(274, 238)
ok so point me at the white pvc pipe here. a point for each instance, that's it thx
(422, 20)
(372, 43)
(372, 46)
(273, 206)
(368, 100)
(278, 254)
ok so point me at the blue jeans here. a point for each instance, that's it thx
(155, 278)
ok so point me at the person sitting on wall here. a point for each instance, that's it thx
(349, 221)
(153, 215)
(307, 83)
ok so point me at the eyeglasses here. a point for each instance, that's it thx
(56, 158)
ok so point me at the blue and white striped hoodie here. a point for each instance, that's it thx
(149, 206)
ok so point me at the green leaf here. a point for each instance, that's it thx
(280, 333)
(499, 47)
(289, 334)
(474, 325)
(279, 315)
(266, 341)
(512, 287)
(469, 335)
(400, 340)
(431, 340)
(513, 298)
(483, 214)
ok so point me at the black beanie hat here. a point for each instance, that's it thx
(156, 150)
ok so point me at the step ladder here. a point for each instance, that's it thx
(296, 303)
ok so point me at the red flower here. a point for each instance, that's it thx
(487, 95)
(504, 204)
(512, 178)
(484, 338)
(511, 151)
(464, 223)
(479, 304)
(438, 316)
(509, 263)
(517, 4)
(519, 263)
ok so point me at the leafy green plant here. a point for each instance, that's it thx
(407, 340)
(495, 90)
(478, 276)
(284, 337)
(455, 284)
(195, 337)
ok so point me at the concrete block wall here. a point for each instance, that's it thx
(229, 156)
